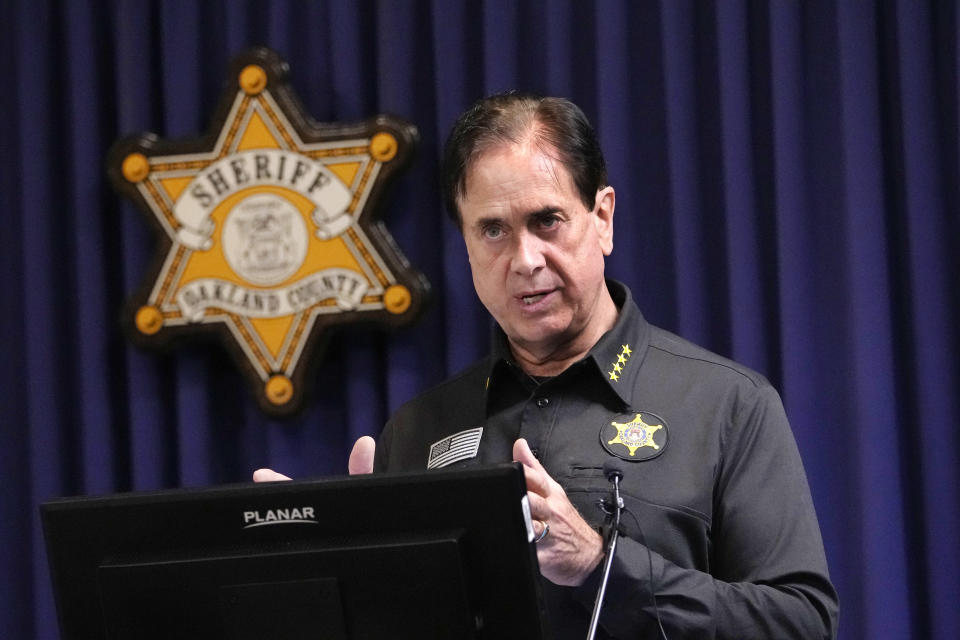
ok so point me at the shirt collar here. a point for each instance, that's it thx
(616, 357)
(620, 352)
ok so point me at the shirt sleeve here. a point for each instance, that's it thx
(768, 575)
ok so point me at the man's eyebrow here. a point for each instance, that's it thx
(532, 215)
(483, 222)
(545, 211)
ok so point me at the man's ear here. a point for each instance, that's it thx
(604, 205)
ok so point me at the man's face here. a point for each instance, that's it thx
(536, 252)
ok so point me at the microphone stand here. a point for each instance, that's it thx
(608, 560)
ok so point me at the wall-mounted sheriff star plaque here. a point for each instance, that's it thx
(268, 229)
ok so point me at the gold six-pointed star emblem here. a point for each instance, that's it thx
(268, 228)
(635, 434)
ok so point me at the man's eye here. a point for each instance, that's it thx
(548, 222)
(492, 231)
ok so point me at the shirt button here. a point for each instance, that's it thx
(542, 402)
(535, 452)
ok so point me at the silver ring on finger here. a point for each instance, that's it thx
(543, 532)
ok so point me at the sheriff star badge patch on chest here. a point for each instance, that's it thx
(636, 436)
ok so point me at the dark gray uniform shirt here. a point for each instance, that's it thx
(712, 476)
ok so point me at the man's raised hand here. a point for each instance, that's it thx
(570, 549)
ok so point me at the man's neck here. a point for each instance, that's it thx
(553, 359)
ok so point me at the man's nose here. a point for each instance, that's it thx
(528, 254)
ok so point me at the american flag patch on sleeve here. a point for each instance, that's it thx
(459, 446)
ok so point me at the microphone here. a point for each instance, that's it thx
(612, 468)
(613, 472)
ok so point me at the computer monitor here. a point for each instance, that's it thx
(441, 554)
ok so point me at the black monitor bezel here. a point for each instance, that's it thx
(482, 511)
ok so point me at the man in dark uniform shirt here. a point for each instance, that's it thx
(721, 526)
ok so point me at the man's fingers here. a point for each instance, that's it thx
(538, 481)
(523, 454)
(268, 475)
(539, 506)
(361, 457)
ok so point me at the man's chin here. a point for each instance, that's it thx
(537, 337)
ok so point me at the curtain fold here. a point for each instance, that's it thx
(788, 195)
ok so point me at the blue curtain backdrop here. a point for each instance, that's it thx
(787, 189)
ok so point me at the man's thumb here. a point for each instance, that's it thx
(361, 457)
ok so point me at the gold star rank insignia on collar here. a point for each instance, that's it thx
(635, 436)
(268, 231)
(617, 367)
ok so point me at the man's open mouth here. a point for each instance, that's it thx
(534, 298)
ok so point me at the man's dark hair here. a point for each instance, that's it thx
(556, 125)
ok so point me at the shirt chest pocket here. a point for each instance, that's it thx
(672, 513)
(647, 483)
